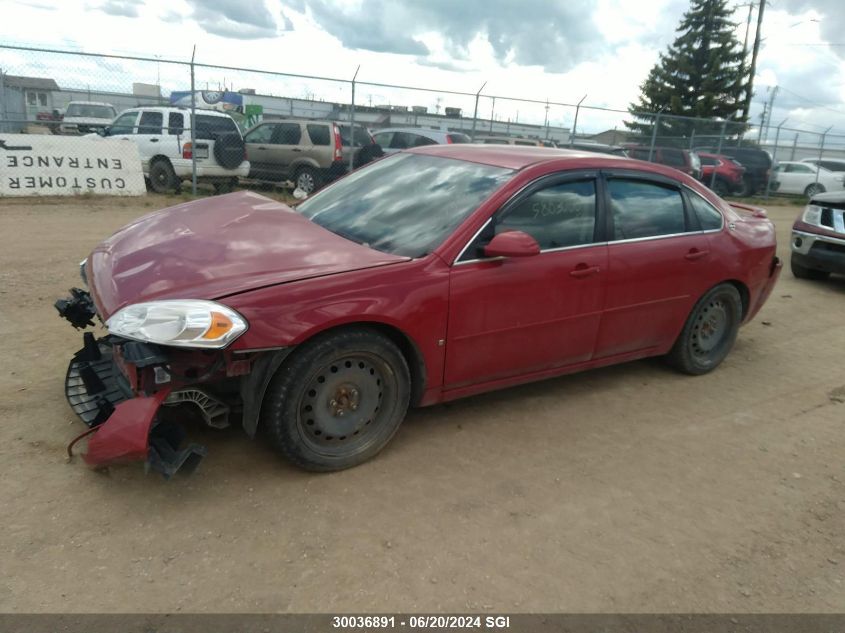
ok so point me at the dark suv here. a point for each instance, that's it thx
(757, 163)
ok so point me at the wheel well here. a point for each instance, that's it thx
(744, 295)
(160, 157)
(409, 349)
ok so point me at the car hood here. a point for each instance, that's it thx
(211, 248)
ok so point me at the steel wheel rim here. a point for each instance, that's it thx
(712, 325)
(342, 408)
(305, 181)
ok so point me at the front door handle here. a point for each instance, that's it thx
(295, 149)
(695, 254)
(260, 147)
(153, 140)
(583, 270)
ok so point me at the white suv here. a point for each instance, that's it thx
(163, 137)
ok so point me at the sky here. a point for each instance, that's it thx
(557, 50)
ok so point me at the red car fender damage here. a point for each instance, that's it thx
(124, 437)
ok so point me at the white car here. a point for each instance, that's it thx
(395, 139)
(163, 137)
(84, 117)
(801, 178)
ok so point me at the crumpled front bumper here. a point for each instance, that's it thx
(129, 427)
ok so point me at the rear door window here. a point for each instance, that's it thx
(175, 123)
(150, 123)
(319, 134)
(402, 140)
(383, 138)
(287, 134)
(643, 209)
(673, 157)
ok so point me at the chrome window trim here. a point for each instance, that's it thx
(557, 249)
(457, 259)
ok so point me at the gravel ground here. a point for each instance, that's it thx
(627, 489)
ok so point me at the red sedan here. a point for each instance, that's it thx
(728, 173)
(429, 275)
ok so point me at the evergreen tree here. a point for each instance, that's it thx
(702, 74)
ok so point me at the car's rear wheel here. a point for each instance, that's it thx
(337, 401)
(307, 179)
(802, 272)
(162, 177)
(709, 333)
(720, 187)
(814, 189)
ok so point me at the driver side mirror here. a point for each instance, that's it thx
(512, 244)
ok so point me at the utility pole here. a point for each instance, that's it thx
(762, 122)
(771, 107)
(753, 68)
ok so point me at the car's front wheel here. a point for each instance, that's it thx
(338, 400)
(709, 333)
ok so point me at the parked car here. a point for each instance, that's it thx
(601, 148)
(507, 140)
(308, 152)
(396, 139)
(52, 119)
(163, 137)
(728, 173)
(831, 164)
(806, 179)
(818, 238)
(757, 162)
(683, 160)
(321, 325)
(85, 117)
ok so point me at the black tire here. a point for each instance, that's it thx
(814, 189)
(225, 186)
(337, 401)
(709, 333)
(802, 272)
(308, 179)
(229, 150)
(162, 177)
(748, 187)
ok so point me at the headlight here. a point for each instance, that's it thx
(813, 215)
(183, 323)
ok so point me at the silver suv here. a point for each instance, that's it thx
(163, 137)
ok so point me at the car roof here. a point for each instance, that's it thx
(100, 103)
(521, 156)
(184, 109)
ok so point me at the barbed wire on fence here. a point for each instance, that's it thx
(37, 85)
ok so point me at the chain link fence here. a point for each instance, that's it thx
(70, 93)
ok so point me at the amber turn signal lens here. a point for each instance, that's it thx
(220, 324)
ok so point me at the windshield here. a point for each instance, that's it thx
(90, 111)
(405, 204)
(362, 136)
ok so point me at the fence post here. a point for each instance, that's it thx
(718, 150)
(821, 150)
(692, 140)
(352, 122)
(654, 132)
(492, 112)
(575, 122)
(193, 128)
(774, 160)
(475, 113)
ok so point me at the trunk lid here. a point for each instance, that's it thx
(211, 248)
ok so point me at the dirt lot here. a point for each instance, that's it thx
(626, 489)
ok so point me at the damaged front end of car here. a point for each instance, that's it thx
(158, 359)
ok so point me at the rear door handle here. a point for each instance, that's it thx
(260, 147)
(153, 140)
(295, 149)
(582, 270)
(695, 254)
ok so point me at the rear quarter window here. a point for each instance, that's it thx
(319, 134)
(708, 216)
(210, 127)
